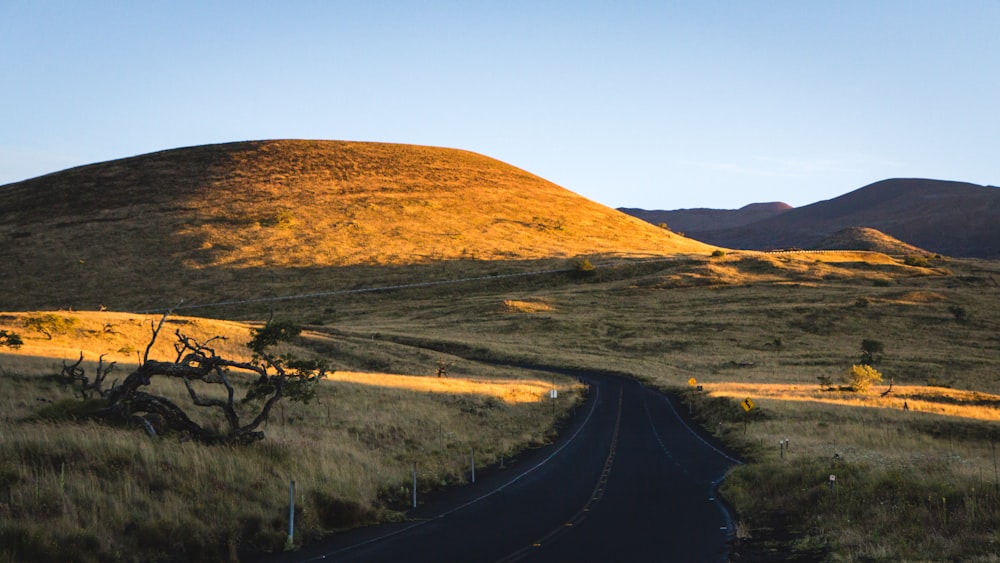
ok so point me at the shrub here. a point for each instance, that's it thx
(718, 253)
(825, 382)
(10, 339)
(961, 315)
(50, 324)
(860, 378)
(917, 261)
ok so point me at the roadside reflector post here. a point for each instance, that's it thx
(414, 484)
(472, 459)
(833, 482)
(290, 542)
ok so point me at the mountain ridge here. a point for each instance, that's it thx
(703, 218)
(952, 218)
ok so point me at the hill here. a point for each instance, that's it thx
(950, 218)
(863, 238)
(691, 221)
(270, 216)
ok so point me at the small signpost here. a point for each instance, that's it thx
(748, 405)
(693, 383)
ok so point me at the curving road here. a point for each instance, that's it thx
(627, 481)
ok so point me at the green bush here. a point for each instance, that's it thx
(718, 253)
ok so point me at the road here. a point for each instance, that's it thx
(628, 480)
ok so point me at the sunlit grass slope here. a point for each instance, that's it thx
(215, 216)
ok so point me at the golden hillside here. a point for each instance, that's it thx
(117, 232)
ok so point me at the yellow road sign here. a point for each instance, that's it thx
(747, 404)
(692, 382)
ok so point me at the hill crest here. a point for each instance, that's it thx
(292, 205)
(864, 238)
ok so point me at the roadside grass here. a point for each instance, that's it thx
(908, 485)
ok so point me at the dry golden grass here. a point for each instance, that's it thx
(253, 219)
(529, 306)
(973, 405)
(119, 337)
(511, 391)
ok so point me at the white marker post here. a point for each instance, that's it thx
(414, 484)
(290, 542)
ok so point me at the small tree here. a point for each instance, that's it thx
(50, 324)
(443, 367)
(869, 349)
(860, 378)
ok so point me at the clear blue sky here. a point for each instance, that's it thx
(655, 104)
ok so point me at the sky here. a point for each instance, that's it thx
(662, 104)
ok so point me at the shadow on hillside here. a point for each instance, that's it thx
(232, 292)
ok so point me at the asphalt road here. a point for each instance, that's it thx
(628, 480)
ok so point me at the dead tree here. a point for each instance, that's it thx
(889, 390)
(272, 378)
(74, 374)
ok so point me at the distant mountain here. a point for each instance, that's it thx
(951, 218)
(689, 221)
